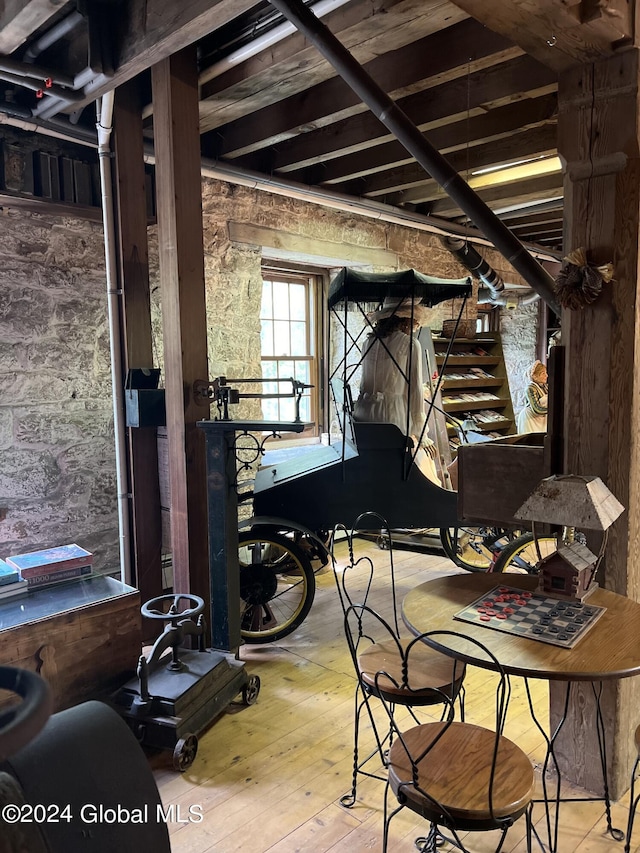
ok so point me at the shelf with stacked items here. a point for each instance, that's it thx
(474, 383)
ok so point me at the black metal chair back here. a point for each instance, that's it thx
(354, 581)
(427, 764)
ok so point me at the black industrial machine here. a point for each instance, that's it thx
(178, 691)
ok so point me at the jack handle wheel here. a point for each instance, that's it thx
(151, 611)
(19, 724)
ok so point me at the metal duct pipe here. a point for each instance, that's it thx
(36, 86)
(507, 300)
(263, 41)
(469, 256)
(22, 117)
(405, 131)
(65, 26)
(34, 72)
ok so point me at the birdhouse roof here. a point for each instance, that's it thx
(572, 501)
(578, 555)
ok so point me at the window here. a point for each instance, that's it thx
(488, 319)
(288, 344)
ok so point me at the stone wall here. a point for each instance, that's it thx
(57, 476)
(518, 330)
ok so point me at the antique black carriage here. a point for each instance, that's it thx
(300, 495)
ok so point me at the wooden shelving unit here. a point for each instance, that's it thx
(475, 383)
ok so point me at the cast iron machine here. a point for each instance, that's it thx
(179, 691)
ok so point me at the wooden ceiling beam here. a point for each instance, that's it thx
(515, 213)
(539, 227)
(552, 242)
(293, 65)
(149, 31)
(559, 33)
(523, 219)
(457, 51)
(450, 102)
(412, 184)
(20, 20)
(537, 232)
(493, 124)
(502, 195)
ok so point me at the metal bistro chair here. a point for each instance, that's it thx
(634, 798)
(379, 645)
(460, 777)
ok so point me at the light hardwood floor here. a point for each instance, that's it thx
(269, 777)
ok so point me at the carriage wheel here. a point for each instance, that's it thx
(465, 546)
(277, 586)
(474, 548)
(521, 555)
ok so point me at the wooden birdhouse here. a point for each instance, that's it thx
(570, 501)
(568, 572)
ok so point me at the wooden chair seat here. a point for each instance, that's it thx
(428, 669)
(456, 772)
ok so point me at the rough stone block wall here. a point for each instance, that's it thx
(518, 329)
(57, 477)
(57, 470)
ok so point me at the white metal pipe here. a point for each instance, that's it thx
(47, 128)
(104, 126)
(348, 204)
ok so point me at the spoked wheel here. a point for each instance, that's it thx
(473, 548)
(185, 752)
(277, 586)
(251, 690)
(521, 555)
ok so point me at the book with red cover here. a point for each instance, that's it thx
(50, 560)
(55, 577)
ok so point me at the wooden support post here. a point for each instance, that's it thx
(598, 141)
(179, 203)
(138, 349)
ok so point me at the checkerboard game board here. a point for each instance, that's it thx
(529, 614)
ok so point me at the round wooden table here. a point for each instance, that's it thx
(610, 649)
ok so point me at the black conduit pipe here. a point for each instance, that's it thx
(406, 132)
(471, 258)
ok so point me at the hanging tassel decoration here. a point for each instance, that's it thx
(580, 283)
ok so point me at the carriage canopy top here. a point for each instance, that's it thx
(355, 286)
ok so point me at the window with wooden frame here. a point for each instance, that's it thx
(488, 318)
(289, 344)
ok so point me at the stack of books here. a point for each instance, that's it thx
(11, 584)
(52, 566)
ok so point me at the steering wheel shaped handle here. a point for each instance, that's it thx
(20, 723)
(151, 611)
